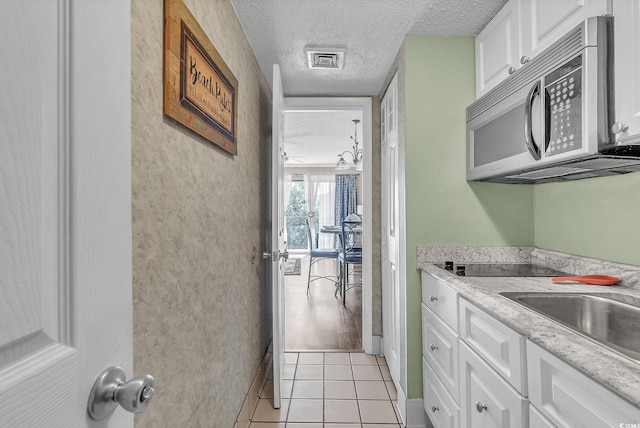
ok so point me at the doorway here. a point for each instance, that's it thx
(318, 320)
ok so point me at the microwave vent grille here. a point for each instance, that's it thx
(598, 166)
(563, 49)
(606, 163)
(555, 171)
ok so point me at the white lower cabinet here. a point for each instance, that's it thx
(443, 411)
(487, 400)
(536, 420)
(440, 361)
(440, 349)
(570, 399)
(500, 346)
(441, 299)
(478, 373)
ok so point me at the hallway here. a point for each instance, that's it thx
(329, 390)
(319, 321)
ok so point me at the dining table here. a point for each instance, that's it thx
(338, 229)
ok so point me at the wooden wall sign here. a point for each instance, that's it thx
(200, 92)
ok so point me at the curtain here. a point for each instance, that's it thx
(310, 191)
(346, 196)
(321, 188)
(326, 198)
(286, 190)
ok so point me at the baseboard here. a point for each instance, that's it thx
(376, 345)
(416, 416)
(251, 399)
(401, 403)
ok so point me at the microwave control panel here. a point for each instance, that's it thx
(563, 88)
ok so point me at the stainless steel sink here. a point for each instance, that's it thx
(609, 318)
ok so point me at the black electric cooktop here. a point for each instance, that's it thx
(499, 269)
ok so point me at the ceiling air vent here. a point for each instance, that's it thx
(327, 58)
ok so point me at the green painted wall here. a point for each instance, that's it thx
(441, 207)
(597, 217)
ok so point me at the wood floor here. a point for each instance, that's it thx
(319, 321)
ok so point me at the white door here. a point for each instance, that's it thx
(390, 230)
(278, 249)
(65, 208)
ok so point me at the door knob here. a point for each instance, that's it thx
(111, 389)
(276, 254)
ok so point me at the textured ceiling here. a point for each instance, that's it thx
(372, 31)
(316, 138)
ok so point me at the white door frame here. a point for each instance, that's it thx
(277, 235)
(360, 104)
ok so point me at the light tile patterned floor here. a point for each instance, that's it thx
(330, 390)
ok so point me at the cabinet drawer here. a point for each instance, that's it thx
(438, 404)
(499, 345)
(536, 420)
(486, 400)
(440, 349)
(441, 299)
(568, 398)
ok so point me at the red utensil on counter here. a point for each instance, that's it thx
(589, 279)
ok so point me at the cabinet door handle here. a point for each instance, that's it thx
(434, 347)
(512, 69)
(619, 127)
(435, 408)
(480, 407)
(525, 59)
(433, 298)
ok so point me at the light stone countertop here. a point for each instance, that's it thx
(617, 372)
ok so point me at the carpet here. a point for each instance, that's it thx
(292, 267)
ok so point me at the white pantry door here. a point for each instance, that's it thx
(65, 208)
(391, 308)
(278, 248)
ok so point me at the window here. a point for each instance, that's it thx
(296, 213)
(319, 188)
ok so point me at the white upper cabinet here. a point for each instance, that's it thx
(498, 48)
(545, 21)
(627, 69)
(523, 29)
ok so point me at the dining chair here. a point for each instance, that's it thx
(350, 254)
(317, 254)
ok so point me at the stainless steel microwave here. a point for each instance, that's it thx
(552, 120)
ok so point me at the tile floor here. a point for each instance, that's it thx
(330, 390)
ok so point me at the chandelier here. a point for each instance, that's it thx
(356, 154)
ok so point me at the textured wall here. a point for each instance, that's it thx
(201, 317)
(442, 208)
